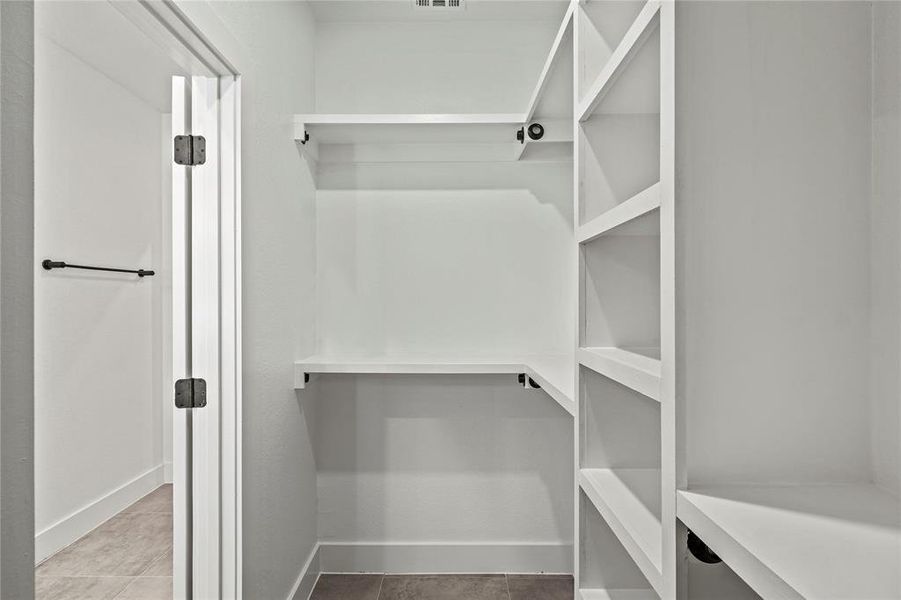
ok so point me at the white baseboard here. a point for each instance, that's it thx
(168, 473)
(65, 531)
(365, 557)
(306, 581)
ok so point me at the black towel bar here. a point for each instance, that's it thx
(58, 264)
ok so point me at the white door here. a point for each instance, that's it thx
(196, 289)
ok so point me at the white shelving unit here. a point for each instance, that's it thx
(624, 190)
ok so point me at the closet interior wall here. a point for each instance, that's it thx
(461, 259)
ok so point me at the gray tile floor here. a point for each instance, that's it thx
(443, 587)
(129, 556)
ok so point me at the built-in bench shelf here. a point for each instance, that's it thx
(802, 541)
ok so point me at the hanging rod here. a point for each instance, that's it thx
(58, 264)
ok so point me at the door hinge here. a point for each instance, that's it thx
(190, 150)
(190, 393)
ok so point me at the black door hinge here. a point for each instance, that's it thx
(190, 393)
(190, 150)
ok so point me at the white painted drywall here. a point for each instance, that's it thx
(452, 259)
(98, 337)
(773, 166)
(271, 43)
(445, 66)
(16, 300)
(442, 460)
(885, 248)
(789, 230)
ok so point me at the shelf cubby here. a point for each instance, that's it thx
(620, 319)
(607, 572)
(619, 466)
(619, 137)
(607, 31)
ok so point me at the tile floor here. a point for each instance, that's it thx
(443, 587)
(129, 556)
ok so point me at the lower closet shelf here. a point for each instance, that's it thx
(802, 541)
(555, 374)
(617, 595)
(629, 500)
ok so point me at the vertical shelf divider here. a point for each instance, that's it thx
(672, 473)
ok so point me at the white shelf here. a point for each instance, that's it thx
(802, 541)
(635, 371)
(410, 119)
(553, 373)
(641, 28)
(590, 594)
(633, 208)
(411, 138)
(629, 500)
(563, 33)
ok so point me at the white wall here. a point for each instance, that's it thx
(271, 44)
(885, 248)
(773, 164)
(429, 66)
(788, 146)
(461, 259)
(98, 381)
(443, 460)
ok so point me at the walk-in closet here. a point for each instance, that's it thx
(610, 289)
(466, 299)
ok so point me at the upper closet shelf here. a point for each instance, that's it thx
(643, 26)
(375, 138)
(553, 373)
(802, 541)
(418, 138)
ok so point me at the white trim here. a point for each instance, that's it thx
(401, 557)
(181, 424)
(230, 348)
(307, 578)
(206, 344)
(54, 538)
(168, 472)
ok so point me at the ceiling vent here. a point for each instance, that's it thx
(438, 4)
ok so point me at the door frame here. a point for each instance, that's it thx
(216, 560)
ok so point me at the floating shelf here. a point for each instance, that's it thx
(629, 500)
(389, 138)
(618, 595)
(635, 371)
(802, 541)
(553, 373)
(641, 28)
(630, 210)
